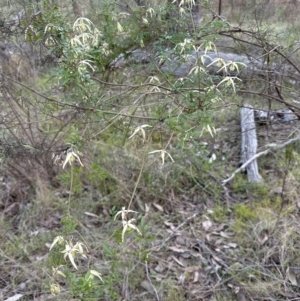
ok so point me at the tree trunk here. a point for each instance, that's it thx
(76, 9)
(249, 143)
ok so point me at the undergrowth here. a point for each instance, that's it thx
(112, 178)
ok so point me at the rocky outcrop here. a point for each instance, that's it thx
(224, 64)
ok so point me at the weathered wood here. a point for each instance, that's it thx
(273, 148)
(249, 143)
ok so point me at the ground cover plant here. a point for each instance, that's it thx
(119, 124)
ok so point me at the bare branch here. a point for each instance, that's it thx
(265, 152)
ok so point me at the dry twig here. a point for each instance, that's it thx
(179, 226)
(265, 152)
